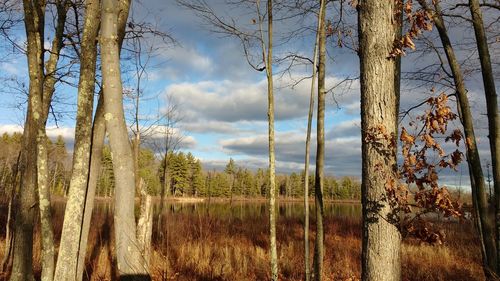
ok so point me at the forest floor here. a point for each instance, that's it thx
(205, 246)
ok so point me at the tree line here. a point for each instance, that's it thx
(187, 177)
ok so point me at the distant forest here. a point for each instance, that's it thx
(186, 176)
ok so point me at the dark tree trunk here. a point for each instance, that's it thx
(492, 110)
(477, 180)
(319, 250)
(24, 220)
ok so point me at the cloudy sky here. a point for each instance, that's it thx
(222, 102)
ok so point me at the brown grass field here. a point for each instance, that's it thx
(202, 245)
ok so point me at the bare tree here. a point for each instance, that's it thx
(485, 223)
(308, 141)
(50, 79)
(143, 54)
(170, 140)
(492, 110)
(267, 58)
(250, 38)
(320, 149)
(34, 14)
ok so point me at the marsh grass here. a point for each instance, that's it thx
(205, 246)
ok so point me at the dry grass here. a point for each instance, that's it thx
(201, 246)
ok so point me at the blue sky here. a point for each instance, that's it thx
(223, 102)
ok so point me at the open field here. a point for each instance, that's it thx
(221, 242)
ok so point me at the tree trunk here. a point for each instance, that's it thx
(164, 192)
(492, 110)
(320, 152)
(145, 223)
(308, 141)
(129, 259)
(267, 58)
(72, 227)
(381, 241)
(477, 180)
(47, 232)
(34, 13)
(8, 224)
(136, 149)
(98, 135)
(47, 256)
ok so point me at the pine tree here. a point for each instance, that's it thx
(179, 173)
(196, 178)
(147, 168)
(230, 170)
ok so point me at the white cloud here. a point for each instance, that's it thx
(230, 101)
(11, 128)
(182, 61)
(11, 68)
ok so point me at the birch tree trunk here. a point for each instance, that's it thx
(67, 262)
(129, 259)
(381, 240)
(492, 111)
(477, 179)
(320, 152)
(34, 13)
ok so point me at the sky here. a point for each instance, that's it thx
(222, 102)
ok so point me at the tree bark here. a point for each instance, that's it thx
(320, 153)
(9, 223)
(381, 240)
(47, 232)
(47, 255)
(308, 141)
(307, 272)
(129, 259)
(34, 13)
(145, 223)
(67, 262)
(477, 180)
(98, 136)
(267, 56)
(492, 111)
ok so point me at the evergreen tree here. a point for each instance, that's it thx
(230, 170)
(197, 179)
(147, 167)
(296, 185)
(179, 174)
